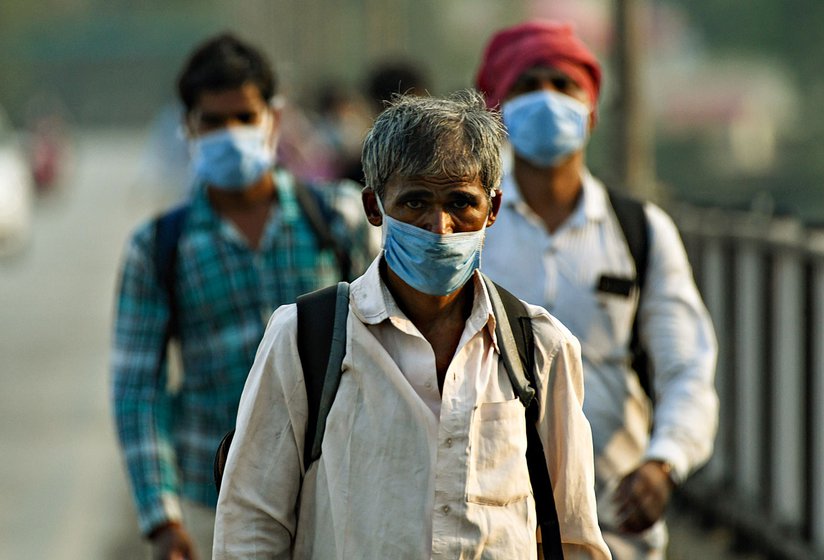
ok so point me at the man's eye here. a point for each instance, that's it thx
(211, 120)
(561, 83)
(414, 204)
(461, 204)
(528, 84)
(247, 118)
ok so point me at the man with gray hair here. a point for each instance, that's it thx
(424, 450)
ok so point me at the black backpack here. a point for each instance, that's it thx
(322, 343)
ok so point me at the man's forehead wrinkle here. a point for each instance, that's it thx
(421, 182)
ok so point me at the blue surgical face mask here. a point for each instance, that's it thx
(431, 263)
(546, 126)
(233, 158)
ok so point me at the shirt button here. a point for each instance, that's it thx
(428, 384)
(445, 509)
(449, 442)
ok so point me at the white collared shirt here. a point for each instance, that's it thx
(560, 271)
(405, 473)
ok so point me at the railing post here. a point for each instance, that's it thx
(750, 374)
(816, 485)
(787, 396)
(716, 293)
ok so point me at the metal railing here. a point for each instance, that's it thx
(762, 278)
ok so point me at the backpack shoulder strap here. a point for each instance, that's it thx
(633, 221)
(319, 215)
(513, 328)
(514, 331)
(521, 325)
(322, 319)
(168, 228)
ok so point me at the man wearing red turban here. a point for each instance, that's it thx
(563, 241)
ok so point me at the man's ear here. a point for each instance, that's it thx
(277, 114)
(187, 129)
(495, 203)
(370, 206)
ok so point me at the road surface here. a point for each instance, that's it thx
(62, 488)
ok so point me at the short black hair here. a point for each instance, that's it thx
(221, 63)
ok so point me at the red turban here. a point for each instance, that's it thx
(516, 49)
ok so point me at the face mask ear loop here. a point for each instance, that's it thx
(384, 224)
(272, 137)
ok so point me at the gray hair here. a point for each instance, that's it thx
(431, 137)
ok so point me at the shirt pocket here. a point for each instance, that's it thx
(497, 472)
(610, 332)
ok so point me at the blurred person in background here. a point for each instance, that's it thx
(558, 243)
(343, 118)
(384, 81)
(425, 453)
(392, 77)
(48, 141)
(302, 148)
(208, 275)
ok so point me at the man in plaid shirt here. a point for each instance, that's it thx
(246, 246)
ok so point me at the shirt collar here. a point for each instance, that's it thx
(372, 303)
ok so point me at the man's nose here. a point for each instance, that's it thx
(232, 122)
(546, 85)
(440, 222)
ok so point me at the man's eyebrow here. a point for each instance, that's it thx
(226, 114)
(414, 192)
(210, 115)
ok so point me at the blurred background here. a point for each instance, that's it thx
(709, 106)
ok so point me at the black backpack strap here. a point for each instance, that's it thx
(506, 325)
(517, 344)
(633, 221)
(168, 228)
(319, 215)
(322, 316)
(322, 319)
(220, 458)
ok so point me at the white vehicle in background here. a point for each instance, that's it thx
(16, 192)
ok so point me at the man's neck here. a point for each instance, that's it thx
(440, 319)
(253, 197)
(551, 192)
(425, 310)
(248, 209)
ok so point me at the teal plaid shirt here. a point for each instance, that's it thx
(225, 294)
